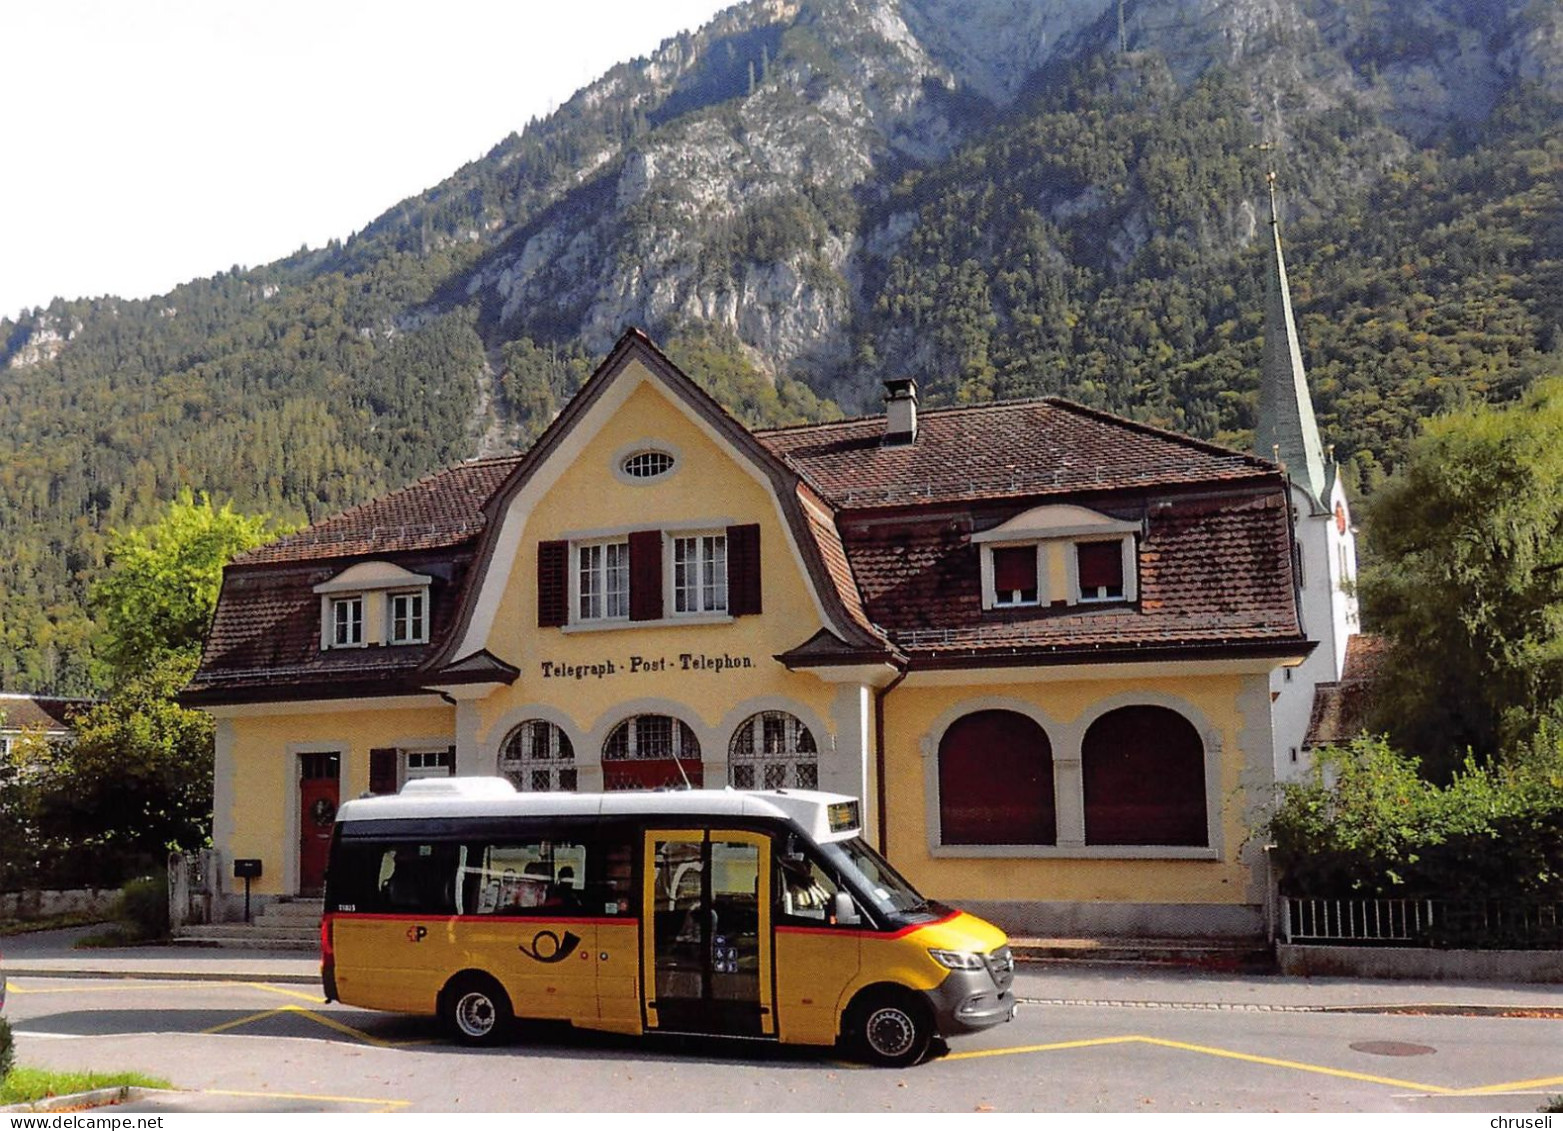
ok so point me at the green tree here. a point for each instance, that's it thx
(154, 603)
(1467, 542)
(136, 782)
(137, 779)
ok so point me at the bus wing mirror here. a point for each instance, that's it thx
(845, 911)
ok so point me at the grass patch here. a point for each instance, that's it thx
(29, 1085)
(49, 923)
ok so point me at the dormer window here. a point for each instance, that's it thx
(373, 604)
(409, 618)
(347, 622)
(1099, 570)
(1016, 580)
(1058, 556)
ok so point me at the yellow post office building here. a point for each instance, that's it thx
(1037, 640)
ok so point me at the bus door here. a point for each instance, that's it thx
(706, 958)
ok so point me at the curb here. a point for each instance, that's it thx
(18, 971)
(100, 1097)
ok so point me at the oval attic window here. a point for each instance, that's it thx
(647, 465)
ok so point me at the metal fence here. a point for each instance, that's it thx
(1423, 922)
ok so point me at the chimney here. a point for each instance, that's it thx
(900, 411)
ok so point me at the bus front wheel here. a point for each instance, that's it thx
(476, 1010)
(891, 1028)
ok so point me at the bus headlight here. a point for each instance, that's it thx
(957, 959)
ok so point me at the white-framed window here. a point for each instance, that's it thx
(700, 573)
(1058, 555)
(429, 764)
(409, 617)
(538, 757)
(347, 621)
(603, 581)
(773, 750)
(371, 604)
(649, 464)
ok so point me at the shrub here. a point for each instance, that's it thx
(144, 906)
(7, 1049)
(1366, 824)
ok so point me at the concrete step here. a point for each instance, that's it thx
(293, 911)
(1246, 955)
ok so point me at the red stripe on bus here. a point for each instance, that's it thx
(377, 916)
(837, 932)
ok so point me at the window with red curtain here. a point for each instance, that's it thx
(1101, 570)
(1014, 575)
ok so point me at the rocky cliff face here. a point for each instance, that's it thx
(743, 211)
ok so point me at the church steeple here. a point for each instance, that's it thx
(1286, 428)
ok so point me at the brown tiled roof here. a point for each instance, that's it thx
(1341, 710)
(834, 554)
(1008, 450)
(886, 533)
(442, 509)
(1213, 570)
(26, 712)
(266, 630)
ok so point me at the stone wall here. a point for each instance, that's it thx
(1421, 964)
(25, 906)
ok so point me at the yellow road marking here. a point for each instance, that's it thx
(1250, 1058)
(262, 1016)
(285, 992)
(1512, 1086)
(304, 1096)
(320, 1019)
(1082, 1044)
(1299, 1066)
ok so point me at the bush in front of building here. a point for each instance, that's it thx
(1366, 824)
(7, 1050)
(143, 907)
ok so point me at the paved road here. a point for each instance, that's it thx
(1086, 1040)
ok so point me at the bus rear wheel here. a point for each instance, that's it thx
(891, 1029)
(476, 1011)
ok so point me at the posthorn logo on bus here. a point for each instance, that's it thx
(549, 947)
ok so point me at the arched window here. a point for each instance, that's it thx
(996, 781)
(651, 752)
(537, 758)
(1143, 776)
(773, 750)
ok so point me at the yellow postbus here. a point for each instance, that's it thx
(722, 913)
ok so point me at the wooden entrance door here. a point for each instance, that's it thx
(319, 793)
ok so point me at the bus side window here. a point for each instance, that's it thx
(419, 878)
(529, 876)
(610, 888)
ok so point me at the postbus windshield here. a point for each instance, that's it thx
(857, 861)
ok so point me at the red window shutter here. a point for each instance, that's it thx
(743, 570)
(1015, 567)
(553, 584)
(1101, 566)
(382, 770)
(646, 575)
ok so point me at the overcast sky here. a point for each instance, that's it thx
(150, 142)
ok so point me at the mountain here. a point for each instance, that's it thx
(1000, 198)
